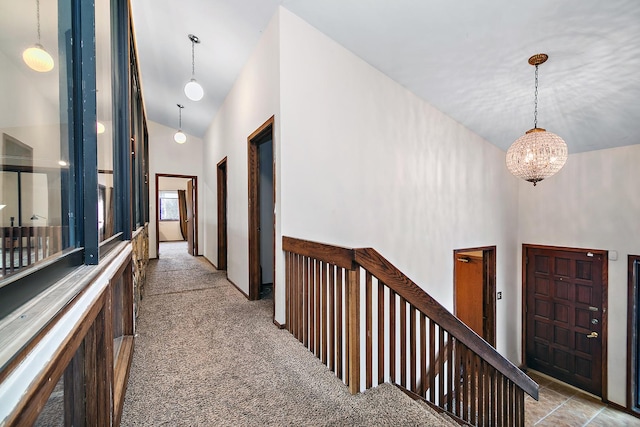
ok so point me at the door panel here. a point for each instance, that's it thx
(469, 292)
(564, 315)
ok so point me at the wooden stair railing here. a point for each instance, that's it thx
(409, 338)
(24, 246)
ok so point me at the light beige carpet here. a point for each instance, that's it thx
(205, 356)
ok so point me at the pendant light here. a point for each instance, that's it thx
(179, 136)
(193, 89)
(537, 154)
(36, 57)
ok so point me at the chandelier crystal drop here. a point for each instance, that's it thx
(537, 154)
(193, 89)
(36, 57)
(179, 136)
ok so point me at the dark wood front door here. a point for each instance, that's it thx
(566, 314)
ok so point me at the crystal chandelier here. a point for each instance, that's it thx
(537, 154)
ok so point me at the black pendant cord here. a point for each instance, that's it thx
(38, 19)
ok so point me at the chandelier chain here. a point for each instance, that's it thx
(535, 111)
(38, 18)
(193, 58)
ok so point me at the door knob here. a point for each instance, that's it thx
(593, 335)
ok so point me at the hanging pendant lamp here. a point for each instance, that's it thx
(537, 154)
(36, 57)
(193, 89)
(179, 136)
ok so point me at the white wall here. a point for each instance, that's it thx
(592, 203)
(167, 157)
(253, 99)
(367, 163)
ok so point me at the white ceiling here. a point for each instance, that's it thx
(468, 58)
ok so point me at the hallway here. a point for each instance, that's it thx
(205, 355)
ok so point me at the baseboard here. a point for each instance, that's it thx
(239, 290)
(275, 322)
(209, 261)
(622, 409)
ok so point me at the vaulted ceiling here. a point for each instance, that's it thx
(465, 57)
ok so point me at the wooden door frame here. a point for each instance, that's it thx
(195, 209)
(221, 173)
(488, 285)
(633, 334)
(253, 141)
(605, 304)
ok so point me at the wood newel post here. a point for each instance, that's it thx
(353, 316)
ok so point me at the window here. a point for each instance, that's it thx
(169, 206)
(37, 135)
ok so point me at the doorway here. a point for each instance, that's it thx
(633, 332)
(177, 210)
(565, 315)
(474, 275)
(261, 212)
(222, 214)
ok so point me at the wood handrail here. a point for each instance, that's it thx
(380, 267)
(337, 255)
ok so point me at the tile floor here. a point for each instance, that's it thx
(561, 405)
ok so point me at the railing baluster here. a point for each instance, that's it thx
(11, 251)
(318, 286)
(339, 353)
(423, 356)
(332, 318)
(474, 367)
(452, 387)
(312, 296)
(392, 336)
(323, 273)
(301, 298)
(294, 296)
(381, 333)
(403, 342)
(353, 285)
(432, 361)
(443, 354)
(412, 349)
(368, 289)
(287, 290)
(305, 301)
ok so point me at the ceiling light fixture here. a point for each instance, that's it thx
(537, 154)
(193, 89)
(36, 57)
(179, 136)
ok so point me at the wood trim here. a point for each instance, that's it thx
(195, 208)
(605, 304)
(239, 290)
(489, 288)
(339, 256)
(278, 325)
(121, 377)
(27, 412)
(371, 260)
(633, 334)
(254, 206)
(221, 175)
(621, 408)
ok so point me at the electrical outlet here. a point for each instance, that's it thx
(499, 295)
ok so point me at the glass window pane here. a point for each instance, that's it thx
(36, 131)
(104, 126)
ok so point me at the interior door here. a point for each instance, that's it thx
(469, 292)
(190, 222)
(565, 311)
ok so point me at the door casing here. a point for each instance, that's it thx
(489, 289)
(260, 135)
(222, 214)
(194, 179)
(604, 310)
